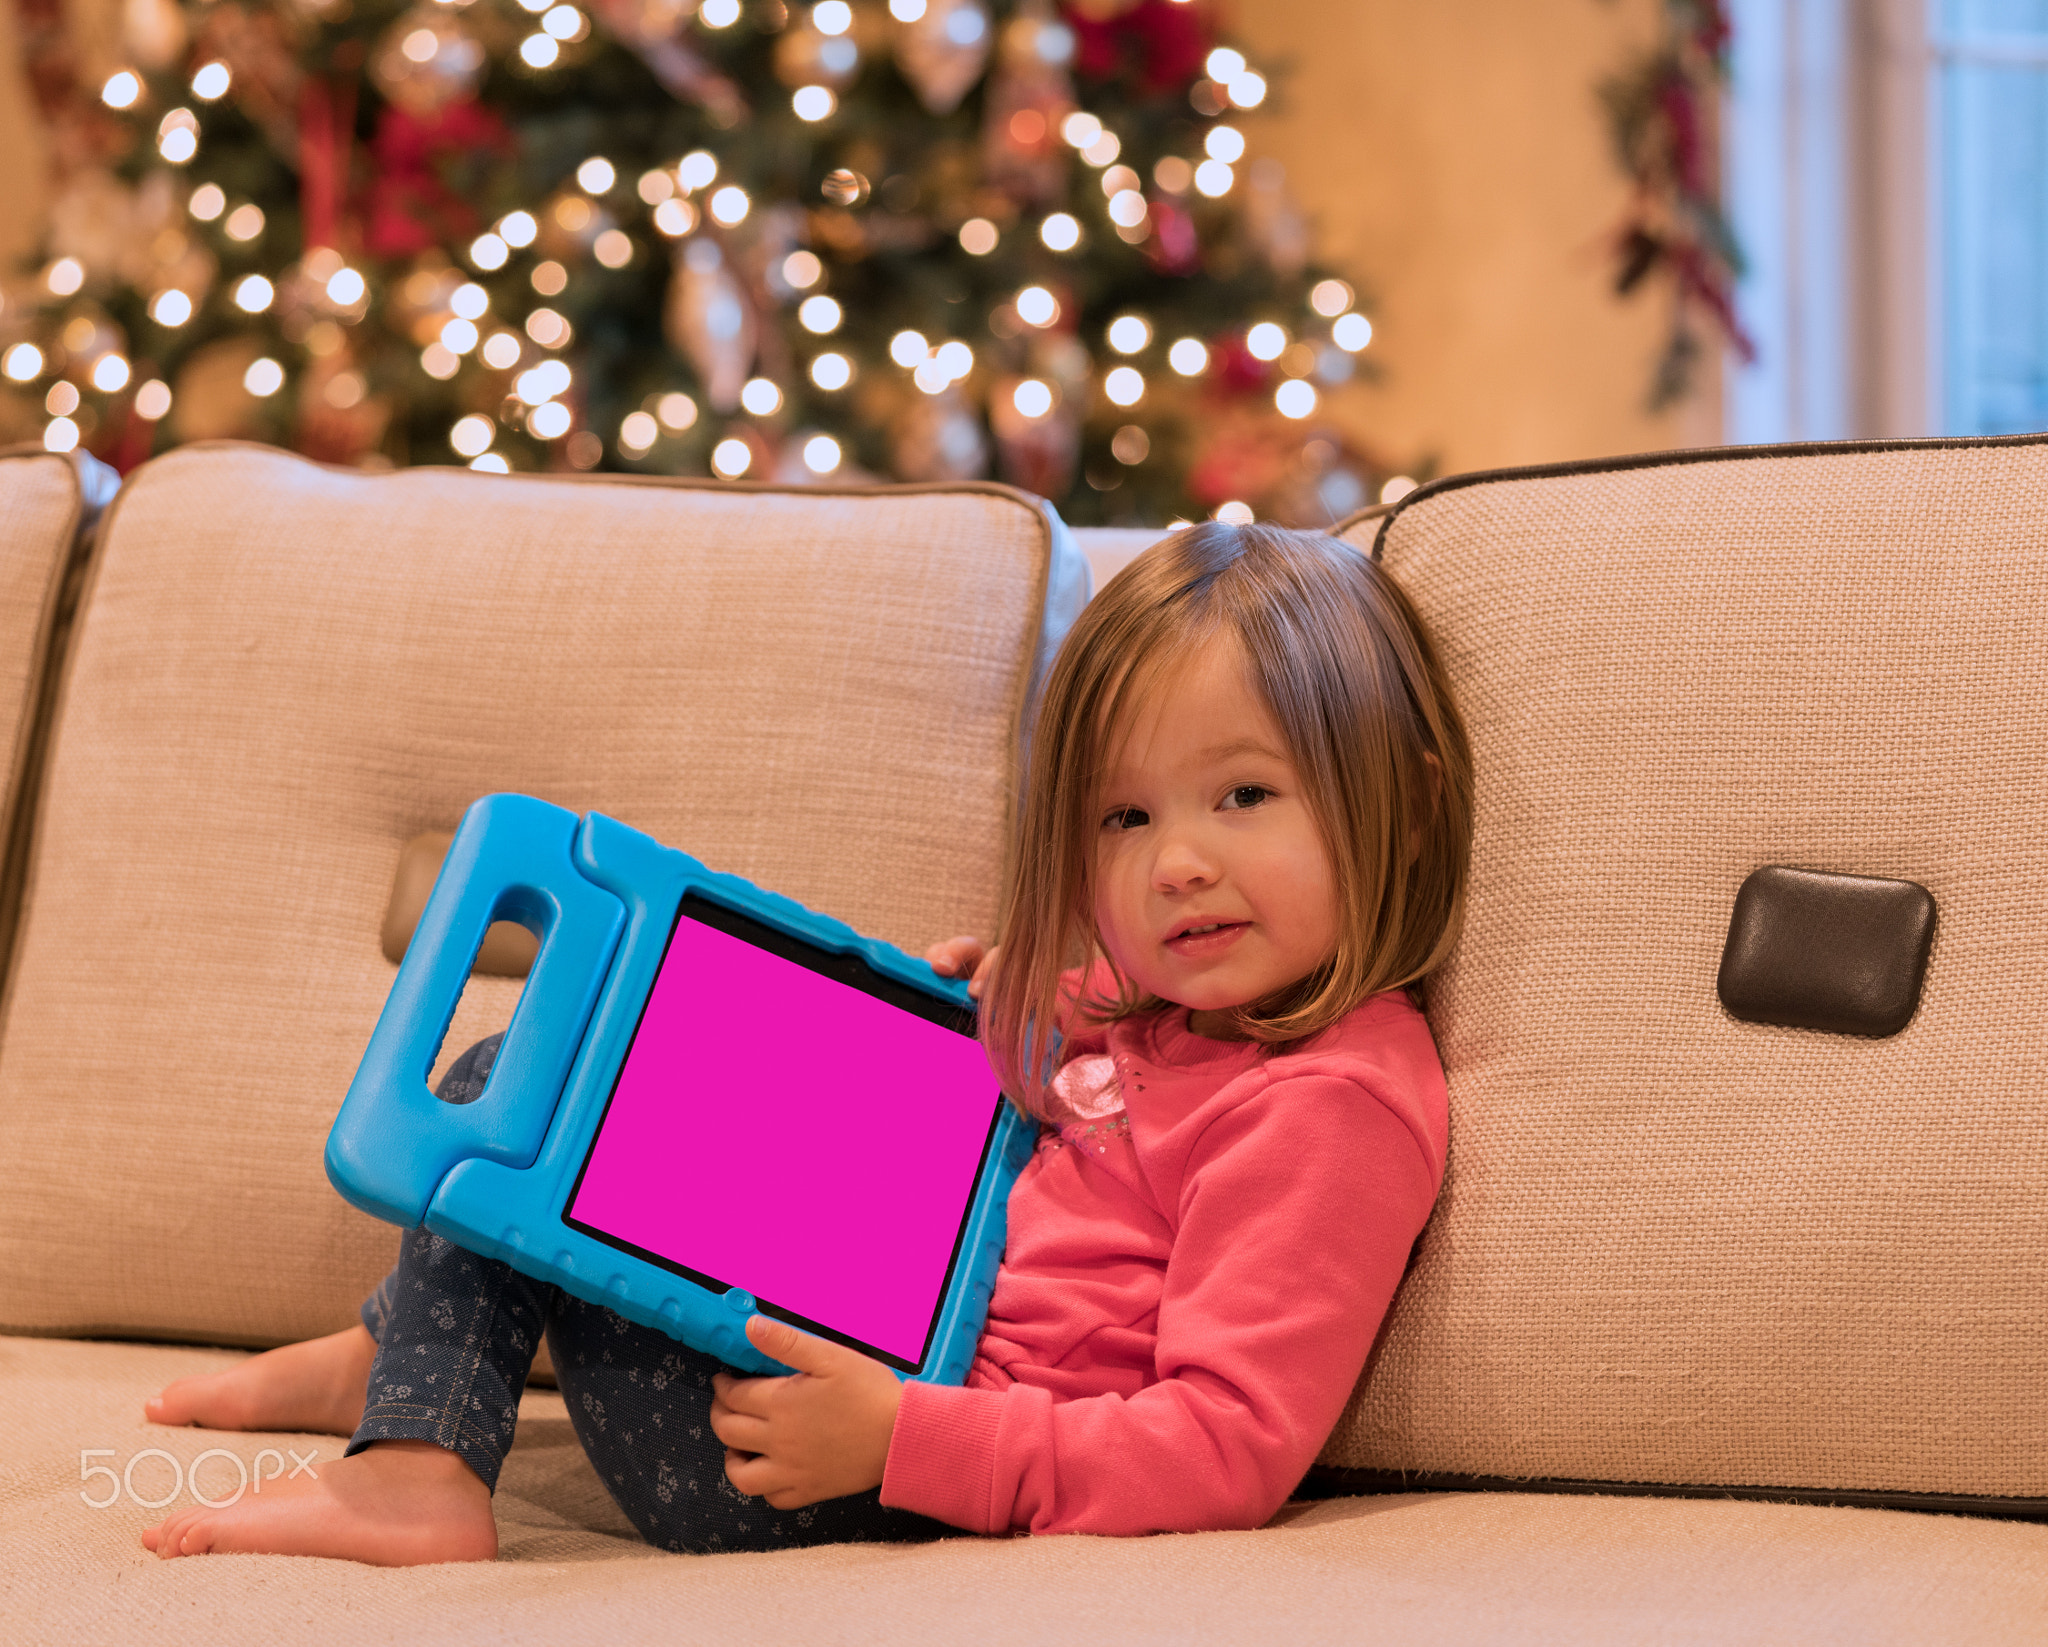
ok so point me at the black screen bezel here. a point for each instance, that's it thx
(853, 971)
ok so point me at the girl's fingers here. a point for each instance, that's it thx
(742, 1431)
(756, 1477)
(954, 956)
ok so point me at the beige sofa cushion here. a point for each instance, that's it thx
(1674, 1247)
(282, 673)
(1448, 1568)
(46, 503)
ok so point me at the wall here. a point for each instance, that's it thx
(1454, 159)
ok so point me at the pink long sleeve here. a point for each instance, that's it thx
(1184, 1325)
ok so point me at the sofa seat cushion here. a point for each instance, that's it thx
(1452, 1567)
(282, 673)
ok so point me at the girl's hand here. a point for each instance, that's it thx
(822, 1433)
(955, 956)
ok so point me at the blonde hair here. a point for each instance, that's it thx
(1343, 664)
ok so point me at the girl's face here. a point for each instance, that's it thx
(1212, 885)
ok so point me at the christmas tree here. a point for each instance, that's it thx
(926, 240)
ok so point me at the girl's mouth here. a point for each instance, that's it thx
(1208, 939)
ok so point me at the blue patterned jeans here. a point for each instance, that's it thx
(457, 1333)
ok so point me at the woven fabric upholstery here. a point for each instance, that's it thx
(282, 673)
(1674, 1247)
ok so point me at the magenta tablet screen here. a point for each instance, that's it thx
(792, 1123)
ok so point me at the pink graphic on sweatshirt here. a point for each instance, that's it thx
(794, 1136)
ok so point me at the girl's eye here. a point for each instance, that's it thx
(1126, 817)
(1245, 795)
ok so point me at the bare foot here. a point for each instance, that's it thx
(395, 1504)
(316, 1386)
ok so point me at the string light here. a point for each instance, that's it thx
(931, 377)
(548, 278)
(1130, 445)
(675, 218)
(761, 397)
(819, 314)
(1213, 179)
(1125, 386)
(252, 294)
(60, 434)
(470, 300)
(908, 348)
(207, 202)
(458, 337)
(832, 16)
(1037, 307)
(1061, 232)
(955, 359)
(548, 329)
(210, 81)
(906, 11)
(1128, 334)
(1295, 398)
(244, 223)
(62, 400)
(656, 186)
(177, 137)
(539, 51)
(121, 89)
(732, 456)
(565, 23)
(802, 270)
(518, 228)
(109, 373)
(1225, 143)
(1189, 356)
(346, 288)
(1223, 64)
(64, 276)
(1265, 341)
(489, 251)
(263, 378)
(439, 361)
(1247, 90)
(597, 175)
(1080, 129)
(1330, 298)
(719, 14)
(677, 411)
(472, 435)
(491, 463)
(501, 350)
(153, 400)
(813, 103)
(23, 363)
(821, 452)
(613, 248)
(1173, 174)
(550, 421)
(1127, 208)
(170, 307)
(637, 432)
(696, 170)
(1102, 150)
(1236, 513)
(978, 237)
(1032, 397)
(1396, 488)
(831, 371)
(542, 383)
(1351, 332)
(729, 205)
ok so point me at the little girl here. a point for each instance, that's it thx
(1242, 841)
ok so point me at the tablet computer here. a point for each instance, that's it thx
(848, 1115)
(710, 1101)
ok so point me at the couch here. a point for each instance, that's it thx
(1722, 1330)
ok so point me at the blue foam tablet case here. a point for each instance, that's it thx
(493, 1175)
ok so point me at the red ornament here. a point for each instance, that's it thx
(1158, 44)
(412, 204)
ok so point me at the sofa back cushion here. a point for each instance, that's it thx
(1674, 1247)
(47, 501)
(282, 673)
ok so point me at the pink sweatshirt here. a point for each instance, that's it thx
(1197, 1265)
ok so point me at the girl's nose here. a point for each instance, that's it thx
(1180, 864)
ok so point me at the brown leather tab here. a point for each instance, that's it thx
(508, 948)
(1812, 950)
